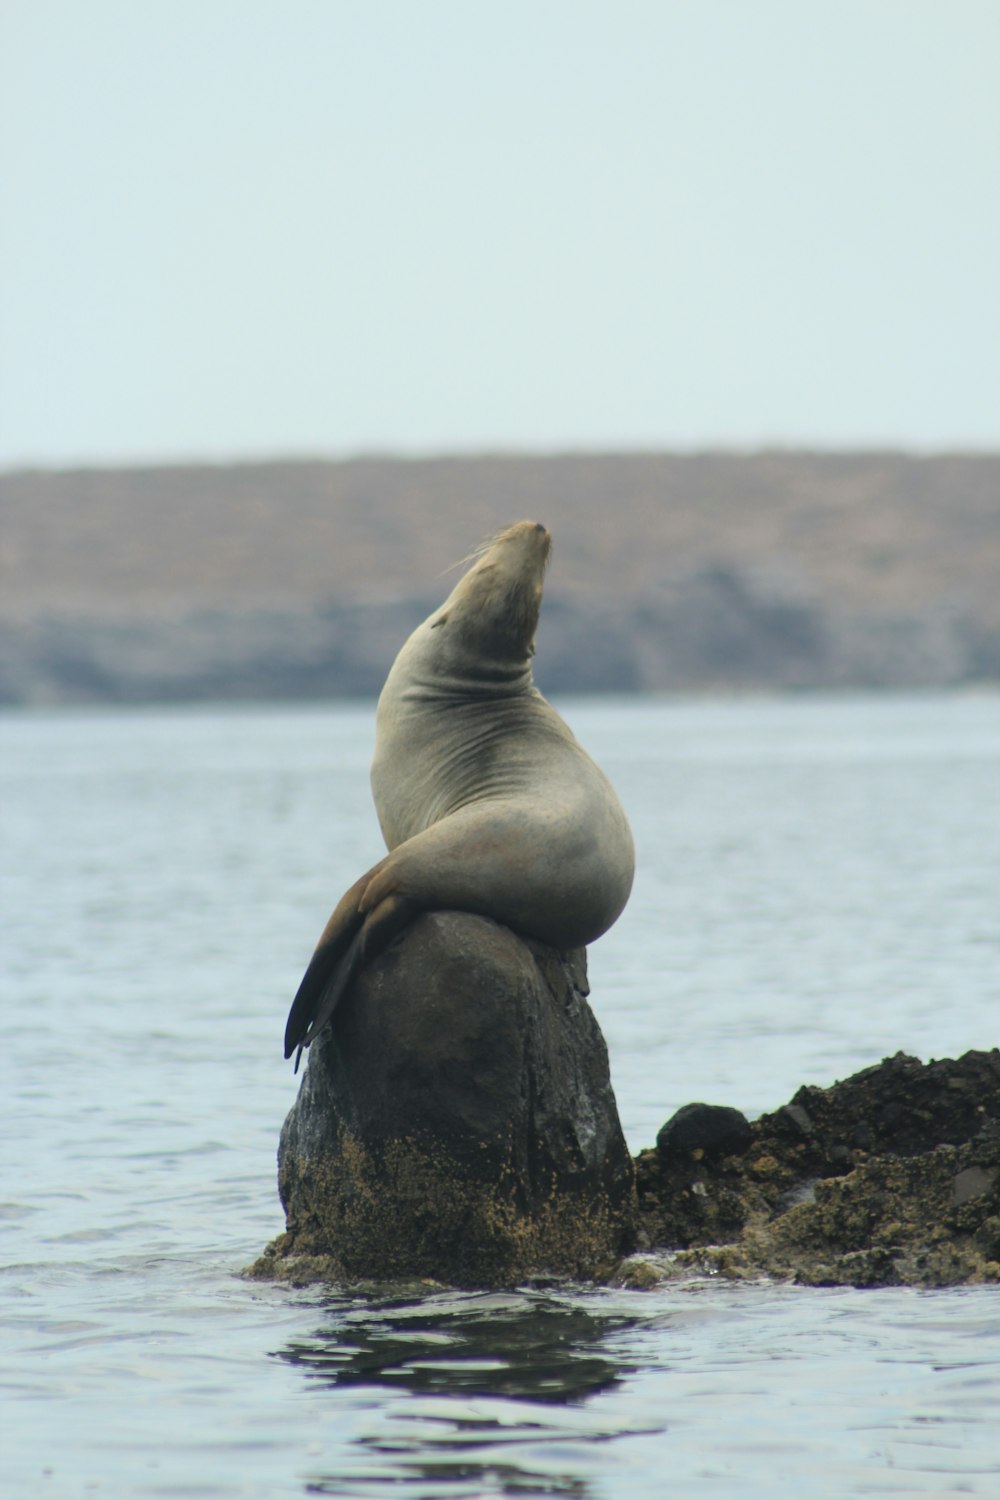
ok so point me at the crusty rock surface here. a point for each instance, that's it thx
(891, 1177)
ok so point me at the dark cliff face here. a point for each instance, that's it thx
(713, 632)
(301, 580)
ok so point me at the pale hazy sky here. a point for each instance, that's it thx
(256, 227)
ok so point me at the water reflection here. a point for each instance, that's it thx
(458, 1482)
(492, 1391)
(538, 1347)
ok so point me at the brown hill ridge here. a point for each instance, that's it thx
(300, 579)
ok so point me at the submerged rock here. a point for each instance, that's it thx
(891, 1177)
(456, 1121)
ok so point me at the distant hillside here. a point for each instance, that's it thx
(300, 579)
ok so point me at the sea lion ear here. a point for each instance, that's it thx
(441, 620)
(531, 649)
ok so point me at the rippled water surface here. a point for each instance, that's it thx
(819, 884)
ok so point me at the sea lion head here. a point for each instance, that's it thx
(492, 613)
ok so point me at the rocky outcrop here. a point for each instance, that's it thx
(456, 1121)
(891, 1177)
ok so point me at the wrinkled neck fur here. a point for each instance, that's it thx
(481, 641)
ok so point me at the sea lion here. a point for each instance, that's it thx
(486, 801)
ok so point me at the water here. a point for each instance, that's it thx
(818, 886)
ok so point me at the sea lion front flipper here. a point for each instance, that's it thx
(323, 984)
(335, 942)
(349, 940)
(376, 933)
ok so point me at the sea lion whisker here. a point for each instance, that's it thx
(487, 545)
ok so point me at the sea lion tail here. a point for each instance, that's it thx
(349, 940)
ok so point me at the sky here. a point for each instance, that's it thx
(275, 228)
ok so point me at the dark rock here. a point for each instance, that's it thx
(906, 1106)
(456, 1121)
(797, 1118)
(708, 1129)
(891, 1177)
(971, 1183)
